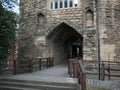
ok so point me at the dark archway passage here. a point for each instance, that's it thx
(65, 42)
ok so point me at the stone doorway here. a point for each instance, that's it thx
(77, 48)
(64, 43)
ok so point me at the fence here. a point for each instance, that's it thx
(79, 68)
(46, 62)
(13, 67)
(108, 68)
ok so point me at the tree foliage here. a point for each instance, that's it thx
(7, 29)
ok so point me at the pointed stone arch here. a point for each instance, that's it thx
(60, 41)
(52, 27)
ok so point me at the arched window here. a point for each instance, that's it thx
(40, 20)
(89, 18)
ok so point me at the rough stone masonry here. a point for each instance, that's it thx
(64, 29)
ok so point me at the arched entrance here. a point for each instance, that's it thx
(65, 42)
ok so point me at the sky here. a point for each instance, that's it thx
(12, 6)
(16, 8)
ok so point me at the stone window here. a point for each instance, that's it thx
(40, 20)
(89, 18)
(65, 3)
(56, 4)
(51, 4)
(59, 4)
(70, 3)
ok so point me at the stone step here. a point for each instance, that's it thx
(39, 82)
(15, 88)
(36, 86)
(8, 88)
(25, 85)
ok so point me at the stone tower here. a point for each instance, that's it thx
(68, 28)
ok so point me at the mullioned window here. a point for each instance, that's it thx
(61, 4)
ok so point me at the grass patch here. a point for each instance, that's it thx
(95, 88)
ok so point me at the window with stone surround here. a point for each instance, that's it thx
(56, 4)
(70, 3)
(40, 20)
(61, 4)
(65, 3)
(51, 4)
(89, 18)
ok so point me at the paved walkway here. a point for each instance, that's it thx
(54, 74)
(59, 74)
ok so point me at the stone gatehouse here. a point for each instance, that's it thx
(68, 28)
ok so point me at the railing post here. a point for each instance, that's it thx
(78, 78)
(103, 71)
(108, 71)
(40, 64)
(50, 61)
(71, 67)
(68, 67)
(47, 62)
(14, 66)
(75, 69)
(83, 82)
(0, 66)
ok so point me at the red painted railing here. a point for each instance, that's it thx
(81, 75)
(76, 70)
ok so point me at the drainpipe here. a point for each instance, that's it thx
(98, 35)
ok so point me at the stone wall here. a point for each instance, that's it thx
(82, 19)
(110, 31)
